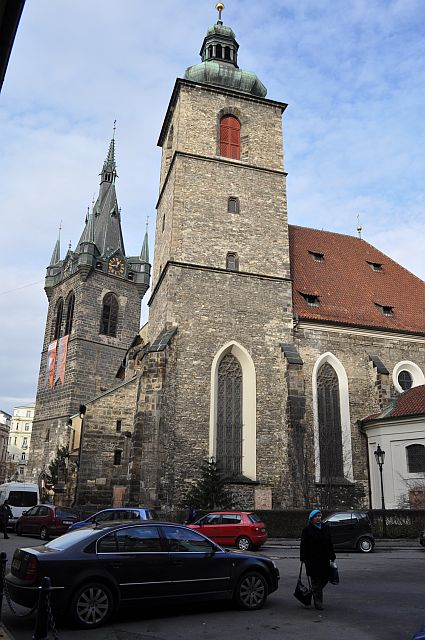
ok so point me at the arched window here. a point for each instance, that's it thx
(330, 432)
(230, 137)
(69, 313)
(232, 262)
(219, 51)
(415, 458)
(227, 53)
(58, 320)
(229, 416)
(109, 318)
(210, 51)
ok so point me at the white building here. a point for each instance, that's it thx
(5, 419)
(400, 432)
(19, 441)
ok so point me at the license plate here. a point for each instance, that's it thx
(16, 564)
(68, 522)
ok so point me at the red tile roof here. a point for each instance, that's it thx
(348, 288)
(409, 403)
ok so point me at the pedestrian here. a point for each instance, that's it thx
(5, 514)
(317, 552)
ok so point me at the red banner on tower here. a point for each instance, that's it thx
(50, 363)
(61, 359)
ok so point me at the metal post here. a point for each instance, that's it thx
(41, 630)
(384, 522)
(2, 574)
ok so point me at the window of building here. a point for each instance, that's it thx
(317, 256)
(109, 318)
(227, 53)
(330, 432)
(27, 427)
(232, 262)
(99, 265)
(386, 310)
(16, 440)
(405, 380)
(58, 320)
(218, 51)
(311, 299)
(230, 137)
(229, 416)
(375, 266)
(21, 471)
(28, 414)
(117, 457)
(23, 455)
(415, 458)
(233, 205)
(70, 303)
(118, 425)
(25, 442)
(163, 222)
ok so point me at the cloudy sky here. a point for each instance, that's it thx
(353, 76)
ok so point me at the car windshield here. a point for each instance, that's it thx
(69, 539)
(254, 518)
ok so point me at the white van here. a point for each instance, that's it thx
(21, 497)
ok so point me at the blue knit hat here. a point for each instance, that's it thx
(313, 513)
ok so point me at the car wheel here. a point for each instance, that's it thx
(18, 530)
(365, 545)
(91, 606)
(251, 591)
(243, 543)
(44, 533)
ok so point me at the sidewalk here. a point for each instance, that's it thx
(381, 543)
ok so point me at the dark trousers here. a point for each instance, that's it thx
(317, 585)
(3, 527)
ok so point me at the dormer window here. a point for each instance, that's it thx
(311, 299)
(375, 266)
(317, 256)
(386, 310)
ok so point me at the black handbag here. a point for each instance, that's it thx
(303, 593)
(333, 574)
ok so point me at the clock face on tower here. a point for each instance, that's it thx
(116, 266)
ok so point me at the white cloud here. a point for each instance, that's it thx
(352, 74)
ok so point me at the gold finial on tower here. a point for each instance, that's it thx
(219, 6)
(359, 226)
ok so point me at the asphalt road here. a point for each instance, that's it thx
(380, 596)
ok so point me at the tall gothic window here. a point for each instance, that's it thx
(415, 458)
(229, 416)
(69, 313)
(230, 137)
(109, 318)
(330, 433)
(58, 320)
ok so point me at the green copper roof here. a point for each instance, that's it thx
(225, 75)
(219, 66)
(222, 30)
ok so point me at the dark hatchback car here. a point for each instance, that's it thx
(46, 521)
(351, 529)
(94, 569)
(118, 513)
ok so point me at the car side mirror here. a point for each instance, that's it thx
(24, 513)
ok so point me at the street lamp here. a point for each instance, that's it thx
(380, 458)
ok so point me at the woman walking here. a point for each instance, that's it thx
(316, 551)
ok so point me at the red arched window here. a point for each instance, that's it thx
(230, 137)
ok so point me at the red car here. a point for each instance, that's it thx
(45, 520)
(243, 529)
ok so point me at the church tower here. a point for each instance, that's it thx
(95, 296)
(221, 304)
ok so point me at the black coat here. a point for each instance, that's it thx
(316, 550)
(5, 513)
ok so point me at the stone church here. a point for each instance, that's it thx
(266, 345)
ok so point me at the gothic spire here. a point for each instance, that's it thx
(88, 233)
(144, 254)
(56, 255)
(109, 170)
